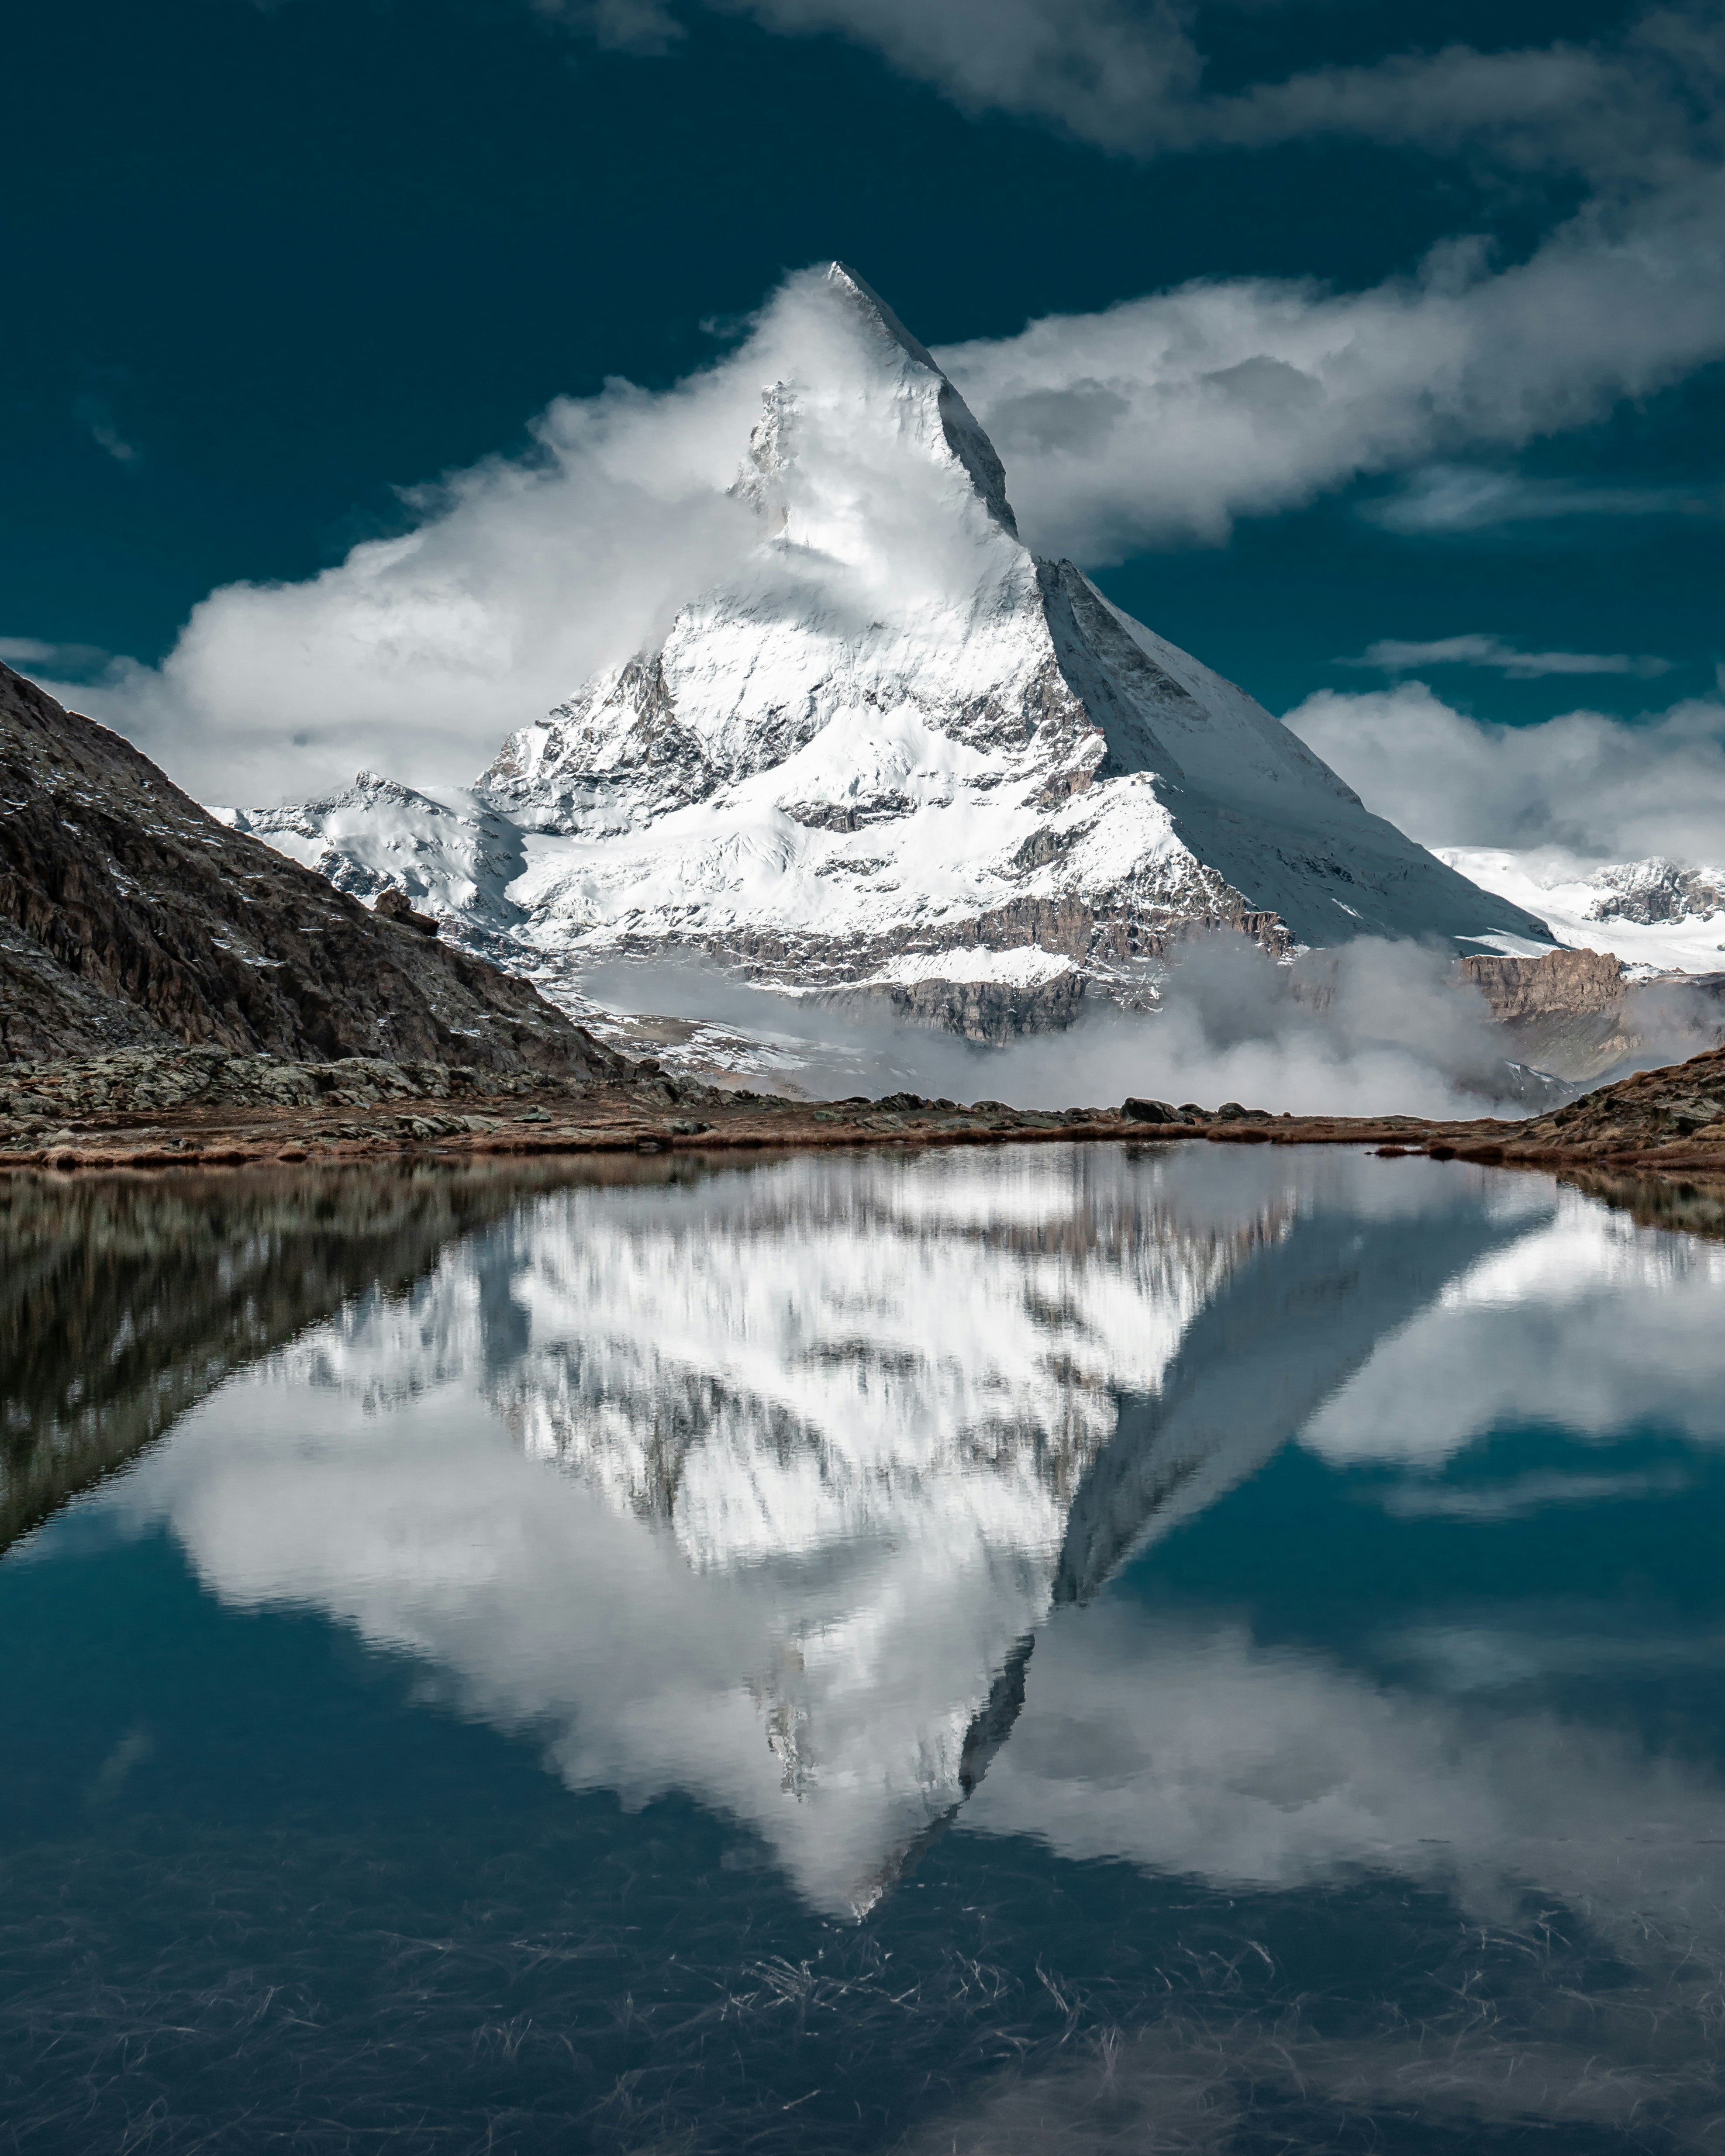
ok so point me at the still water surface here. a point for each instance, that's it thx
(1045, 1650)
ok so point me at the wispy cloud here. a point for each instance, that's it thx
(1131, 79)
(106, 438)
(63, 659)
(1446, 497)
(646, 28)
(97, 421)
(1390, 656)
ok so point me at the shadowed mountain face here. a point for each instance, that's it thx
(130, 916)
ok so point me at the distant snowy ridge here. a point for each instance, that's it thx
(894, 740)
(1657, 916)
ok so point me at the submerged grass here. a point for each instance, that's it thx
(275, 1992)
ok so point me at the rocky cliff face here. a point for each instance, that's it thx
(895, 753)
(1579, 1014)
(130, 916)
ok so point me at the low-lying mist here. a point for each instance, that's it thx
(1374, 1027)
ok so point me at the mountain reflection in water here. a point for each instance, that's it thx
(788, 1489)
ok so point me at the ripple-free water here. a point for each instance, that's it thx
(1049, 1649)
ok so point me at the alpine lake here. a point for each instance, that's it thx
(1065, 1649)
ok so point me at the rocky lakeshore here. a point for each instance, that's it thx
(140, 1108)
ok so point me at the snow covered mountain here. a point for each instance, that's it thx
(1657, 916)
(895, 750)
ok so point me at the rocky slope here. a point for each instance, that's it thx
(130, 916)
(895, 753)
(1659, 1116)
(1581, 1015)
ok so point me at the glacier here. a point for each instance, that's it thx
(895, 753)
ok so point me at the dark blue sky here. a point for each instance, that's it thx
(266, 264)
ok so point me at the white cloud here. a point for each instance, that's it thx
(417, 654)
(1390, 656)
(1596, 787)
(1161, 420)
(1445, 498)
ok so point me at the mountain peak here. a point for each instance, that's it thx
(847, 285)
(861, 418)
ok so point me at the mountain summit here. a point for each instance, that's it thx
(894, 749)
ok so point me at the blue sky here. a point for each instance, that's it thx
(270, 265)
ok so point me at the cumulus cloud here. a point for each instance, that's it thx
(417, 654)
(1161, 420)
(1596, 787)
(1390, 656)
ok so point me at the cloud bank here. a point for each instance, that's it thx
(1372, 1028)
(1595, 787)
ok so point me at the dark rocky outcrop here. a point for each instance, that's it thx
(1679, 1109)
(129, 917)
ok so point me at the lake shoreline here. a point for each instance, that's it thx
(640, 1119)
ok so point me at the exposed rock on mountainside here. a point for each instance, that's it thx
(1565, 1011)
(1658, 890)
(1578, 1014)
(895, 753)
(1557, 982)
(130, 916)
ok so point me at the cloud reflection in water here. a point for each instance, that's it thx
(763, 1487)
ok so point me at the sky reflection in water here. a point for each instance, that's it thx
(1039, 1649)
